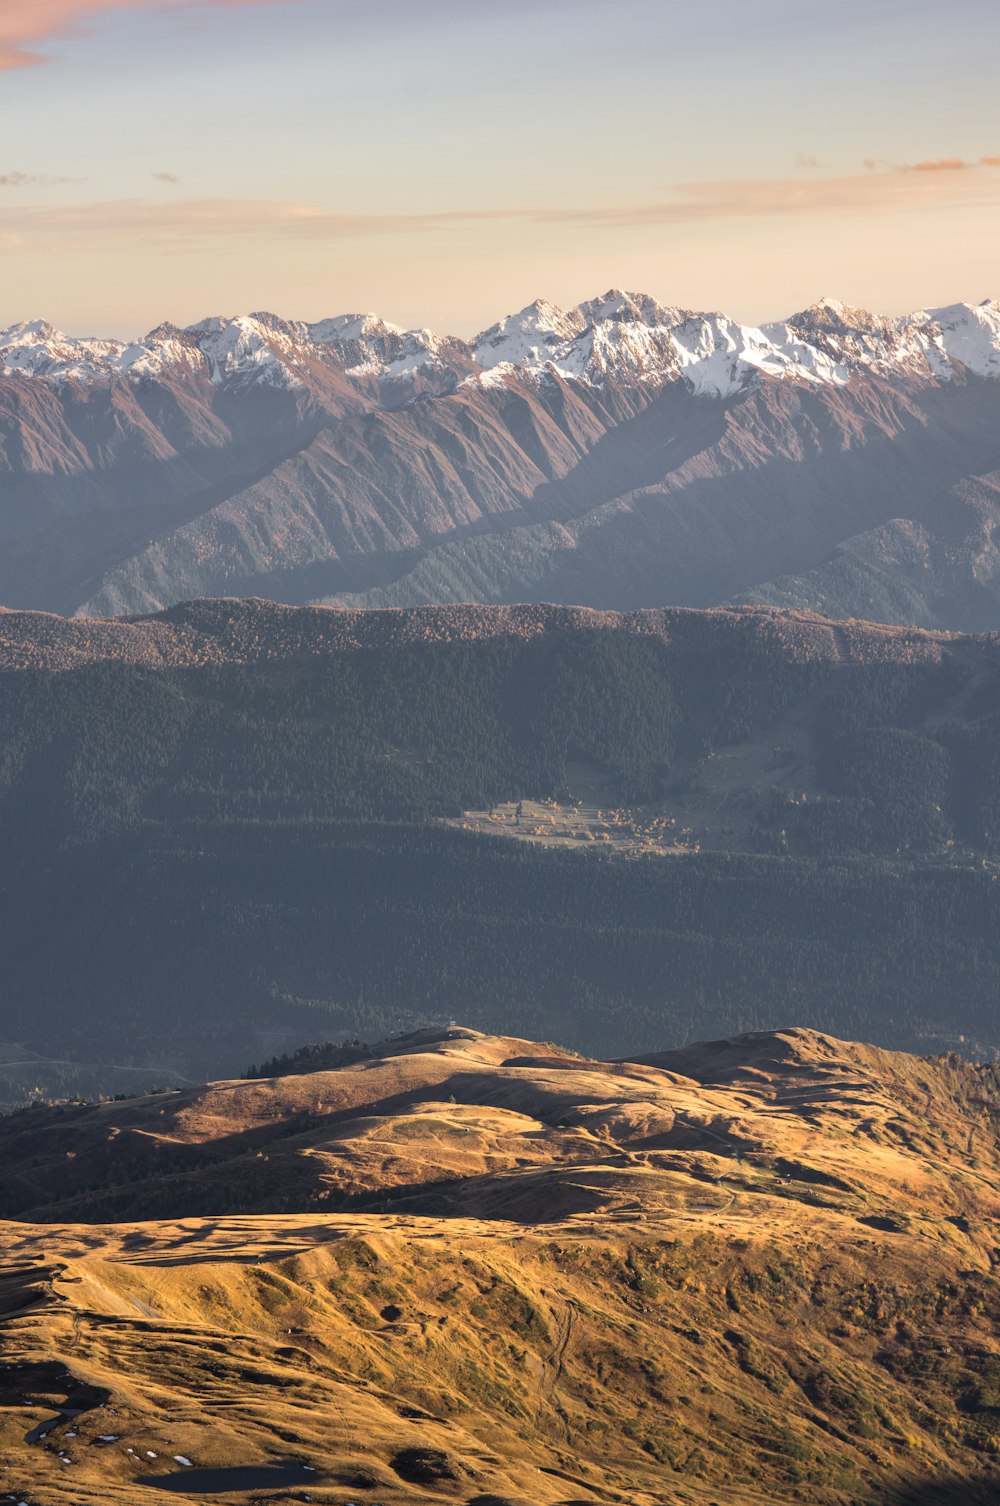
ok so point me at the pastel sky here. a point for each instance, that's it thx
(447, 161)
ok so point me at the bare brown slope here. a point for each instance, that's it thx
(91, 474)
(371, 491)
(752, 1273)
(69, 447)
(788, 474)
(620, 495)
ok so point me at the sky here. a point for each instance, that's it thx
(444, 162)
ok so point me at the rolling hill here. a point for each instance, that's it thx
(482, 1270)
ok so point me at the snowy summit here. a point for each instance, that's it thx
(618, 337)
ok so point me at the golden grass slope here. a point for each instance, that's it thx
(760, 1271)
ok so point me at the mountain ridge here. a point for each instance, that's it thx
(740, 1092)
(244, 630)
(620, 455)
(712, 352)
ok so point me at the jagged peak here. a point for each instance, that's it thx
(39, 329)
(619, 305)
(543, 308)
(538, 315)
(833, 314)
(273, 323)
(345, 327)
(208, 325)
(978, 311)
(621, 334)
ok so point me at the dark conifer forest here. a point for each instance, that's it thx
(208, 864)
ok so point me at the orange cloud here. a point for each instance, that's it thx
(934, 165)
(24, 23)
(941, 165)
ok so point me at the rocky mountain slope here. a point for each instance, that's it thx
(484, 1271)
(619, 454)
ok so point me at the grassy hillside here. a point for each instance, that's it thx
(752, 1273)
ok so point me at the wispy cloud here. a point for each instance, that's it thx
(37, 180)
(894, 187)
(24, 24)
(166, 177)
(189, 221)
(890, 188)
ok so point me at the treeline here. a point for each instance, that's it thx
(321, 1056)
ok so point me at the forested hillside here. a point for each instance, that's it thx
(235, 828)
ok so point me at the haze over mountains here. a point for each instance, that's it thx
(619, 454)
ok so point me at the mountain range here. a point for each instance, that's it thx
(620, 454)
(473, 1270)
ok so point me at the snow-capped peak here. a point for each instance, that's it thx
(249, 345)
(350, 327)
(634, 308)
(618, 337)
(631, 337)
(33, 331)
(35, 348)
(524, 338)
(372, 348)
(968, 333)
